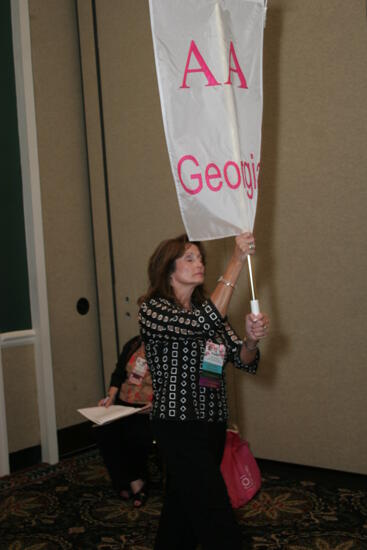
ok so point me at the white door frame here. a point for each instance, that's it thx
(34, 235)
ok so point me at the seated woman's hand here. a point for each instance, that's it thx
(106, 401)
(110, 397)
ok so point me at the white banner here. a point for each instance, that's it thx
(209, 65)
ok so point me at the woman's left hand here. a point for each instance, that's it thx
(257, 326)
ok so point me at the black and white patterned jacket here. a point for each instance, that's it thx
(174, 341)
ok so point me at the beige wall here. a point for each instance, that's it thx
(307, 405)
(309, 395)
(66, 207)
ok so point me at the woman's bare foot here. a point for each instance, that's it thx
(136, 485)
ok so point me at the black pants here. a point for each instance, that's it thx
(125, 445)
(196, 506)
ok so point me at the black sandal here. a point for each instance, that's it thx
(140, 498)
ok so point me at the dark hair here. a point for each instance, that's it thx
(161, 266)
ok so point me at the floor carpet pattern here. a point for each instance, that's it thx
(72, 506)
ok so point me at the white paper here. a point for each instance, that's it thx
(104, 415)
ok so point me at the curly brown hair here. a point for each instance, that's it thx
(161, 266)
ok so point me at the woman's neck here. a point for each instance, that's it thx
(183, 297)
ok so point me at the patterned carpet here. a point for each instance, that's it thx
(72, 506)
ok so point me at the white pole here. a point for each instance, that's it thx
(255, 308)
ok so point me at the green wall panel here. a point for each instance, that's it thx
(14, 298)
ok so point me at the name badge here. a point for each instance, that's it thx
(139, 370)
(211, 370)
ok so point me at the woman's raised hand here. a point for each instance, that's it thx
(244, 245)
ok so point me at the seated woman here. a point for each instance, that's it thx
(125, 443)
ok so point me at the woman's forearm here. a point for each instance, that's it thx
(222, 294)
(248, 352)
(113, 391)
(221, 297)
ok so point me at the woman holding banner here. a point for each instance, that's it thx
(188, 341)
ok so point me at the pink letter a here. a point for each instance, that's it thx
(203, 67)
(238, 70)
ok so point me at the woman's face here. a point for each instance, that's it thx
(189, 268)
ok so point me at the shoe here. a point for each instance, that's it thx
(140, 498)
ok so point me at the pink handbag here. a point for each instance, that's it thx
(239, 470)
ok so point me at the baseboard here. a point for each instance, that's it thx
(328, 478)
(71, 440)
(24, 458)
(75, 439)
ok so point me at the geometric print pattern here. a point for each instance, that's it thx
(174, 341)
